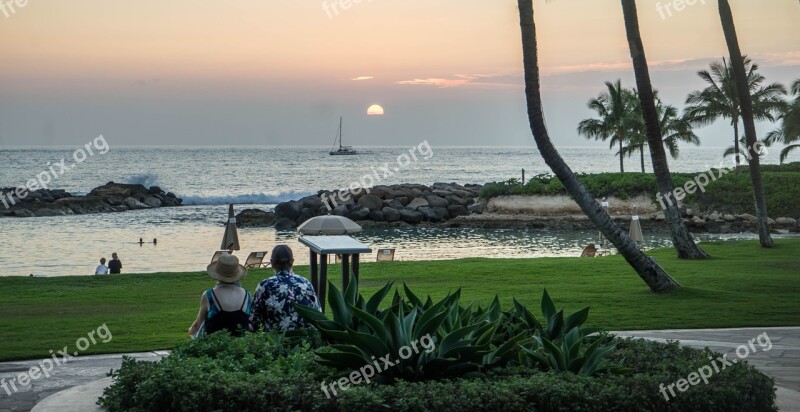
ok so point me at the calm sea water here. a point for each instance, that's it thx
(208, 178)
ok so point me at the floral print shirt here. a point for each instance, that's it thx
(273, 303)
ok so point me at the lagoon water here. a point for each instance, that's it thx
(208, 178)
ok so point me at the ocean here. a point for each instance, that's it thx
(209, 178)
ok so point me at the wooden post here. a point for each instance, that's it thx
(355, 268)
(345, 272)
(323, 281)
(314, 273)
(523, 177)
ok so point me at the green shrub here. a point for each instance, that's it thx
(729, 193)
(182, 382)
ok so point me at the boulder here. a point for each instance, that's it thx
(436, 201)
(255, 218)
(404, 200)
(458, 200)
(376, 215)
(312, 202)
(359, 213)
(715, 216)
(441, 213)
(729, 217)
(341, 210)
(390, 214)
(428, 213)
(289, 210)
(477, 208)
(87, 204)
(305, 214)
(119, 190)
(371, 202)
(133, 204)
(410, 216)
(154, 190)
(748, 217)
(57, 211)
(393, 203)
(456, 210)
(417, 203)
(786, 221)
(151, 201)
(660, 217)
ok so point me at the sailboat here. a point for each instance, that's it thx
(343, 150)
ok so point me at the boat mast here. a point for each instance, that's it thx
(340, 132)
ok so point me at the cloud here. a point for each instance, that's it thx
(363, 78)
(471, 80)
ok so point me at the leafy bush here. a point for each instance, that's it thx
(729, 193)
(183, 382)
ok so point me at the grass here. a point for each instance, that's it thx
(743, 285)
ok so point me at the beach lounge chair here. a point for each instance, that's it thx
(256, 260)
(385, 255)
(589, 251)
(217, 254)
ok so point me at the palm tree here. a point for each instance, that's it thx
(748, 117)
(656, 277)
(719, 99)
(789, 132)
(681, 238)
(614, 112)
(674, 129)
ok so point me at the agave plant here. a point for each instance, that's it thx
(391, 339)
(461, 341)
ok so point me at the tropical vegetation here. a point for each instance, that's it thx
(483, 360)
(789, 131)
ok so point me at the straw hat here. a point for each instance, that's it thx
(226, 269)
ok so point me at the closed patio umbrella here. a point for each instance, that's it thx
(329, 225)
(636, 227)
(230, 241)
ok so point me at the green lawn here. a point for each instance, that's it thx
(743, 285)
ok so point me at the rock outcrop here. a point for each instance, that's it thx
(404, 203)
(111, 197)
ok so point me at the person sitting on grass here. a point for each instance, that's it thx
(275, 297)
(227, 305)
(101, 269)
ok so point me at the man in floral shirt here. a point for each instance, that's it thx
(273, 302)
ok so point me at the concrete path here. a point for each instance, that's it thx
(77, 385)
(78, 371)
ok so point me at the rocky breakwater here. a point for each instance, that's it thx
(111, 197)
(395, 204)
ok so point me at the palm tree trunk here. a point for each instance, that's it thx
(681, 238)
(736, 145)
(621, 165)
(653, 275)
(746, 105)
(641, 156)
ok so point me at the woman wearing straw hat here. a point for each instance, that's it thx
(227, 305)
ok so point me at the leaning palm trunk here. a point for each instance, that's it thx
(656, 278)
(681, 238)
(746, 105)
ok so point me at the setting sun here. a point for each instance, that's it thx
(375, 110)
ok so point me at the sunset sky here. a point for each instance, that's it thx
(282, 71)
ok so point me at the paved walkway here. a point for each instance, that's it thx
(76, 385)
